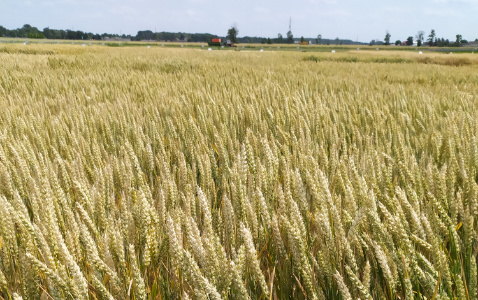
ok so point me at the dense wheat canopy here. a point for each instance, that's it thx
(135, 173)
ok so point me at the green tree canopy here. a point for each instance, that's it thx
(319, 38)
(420, 37)
(431, 38)
(458, 40)
(232, 34)
(280, 39)
(290, 37)
(387, 39)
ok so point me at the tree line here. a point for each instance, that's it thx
(431, 41)
(28, 31)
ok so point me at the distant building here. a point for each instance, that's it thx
(404, 43)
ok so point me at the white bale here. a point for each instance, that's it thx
(333, 51)
(209, 49)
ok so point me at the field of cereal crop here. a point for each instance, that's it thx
(170, 173)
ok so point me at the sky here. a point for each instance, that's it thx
(362, 20)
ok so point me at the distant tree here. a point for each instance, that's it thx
(28, 31)
(70, 35)
(458, 40)
(280, 39)
(419, 37)
(168, 36)
(35, 35)
(410, 41)
(200, 37)
(263, 41)
(398, 42)
(269, 41)
(232, 33)
(47, 33)
(431, 38)
(319, 38)
(13, 33)
(3, 31)
(144, 35)
(27, 28)
(302, 39)
(387, 39)
(441, 42)
(372, 42)
(337, 40)
(290, 37)
(80, 35)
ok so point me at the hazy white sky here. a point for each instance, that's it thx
(349, 19)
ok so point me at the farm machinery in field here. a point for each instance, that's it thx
(218, 43)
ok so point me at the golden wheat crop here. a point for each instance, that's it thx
(135, 173)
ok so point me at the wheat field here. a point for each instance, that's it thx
(162, 173)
